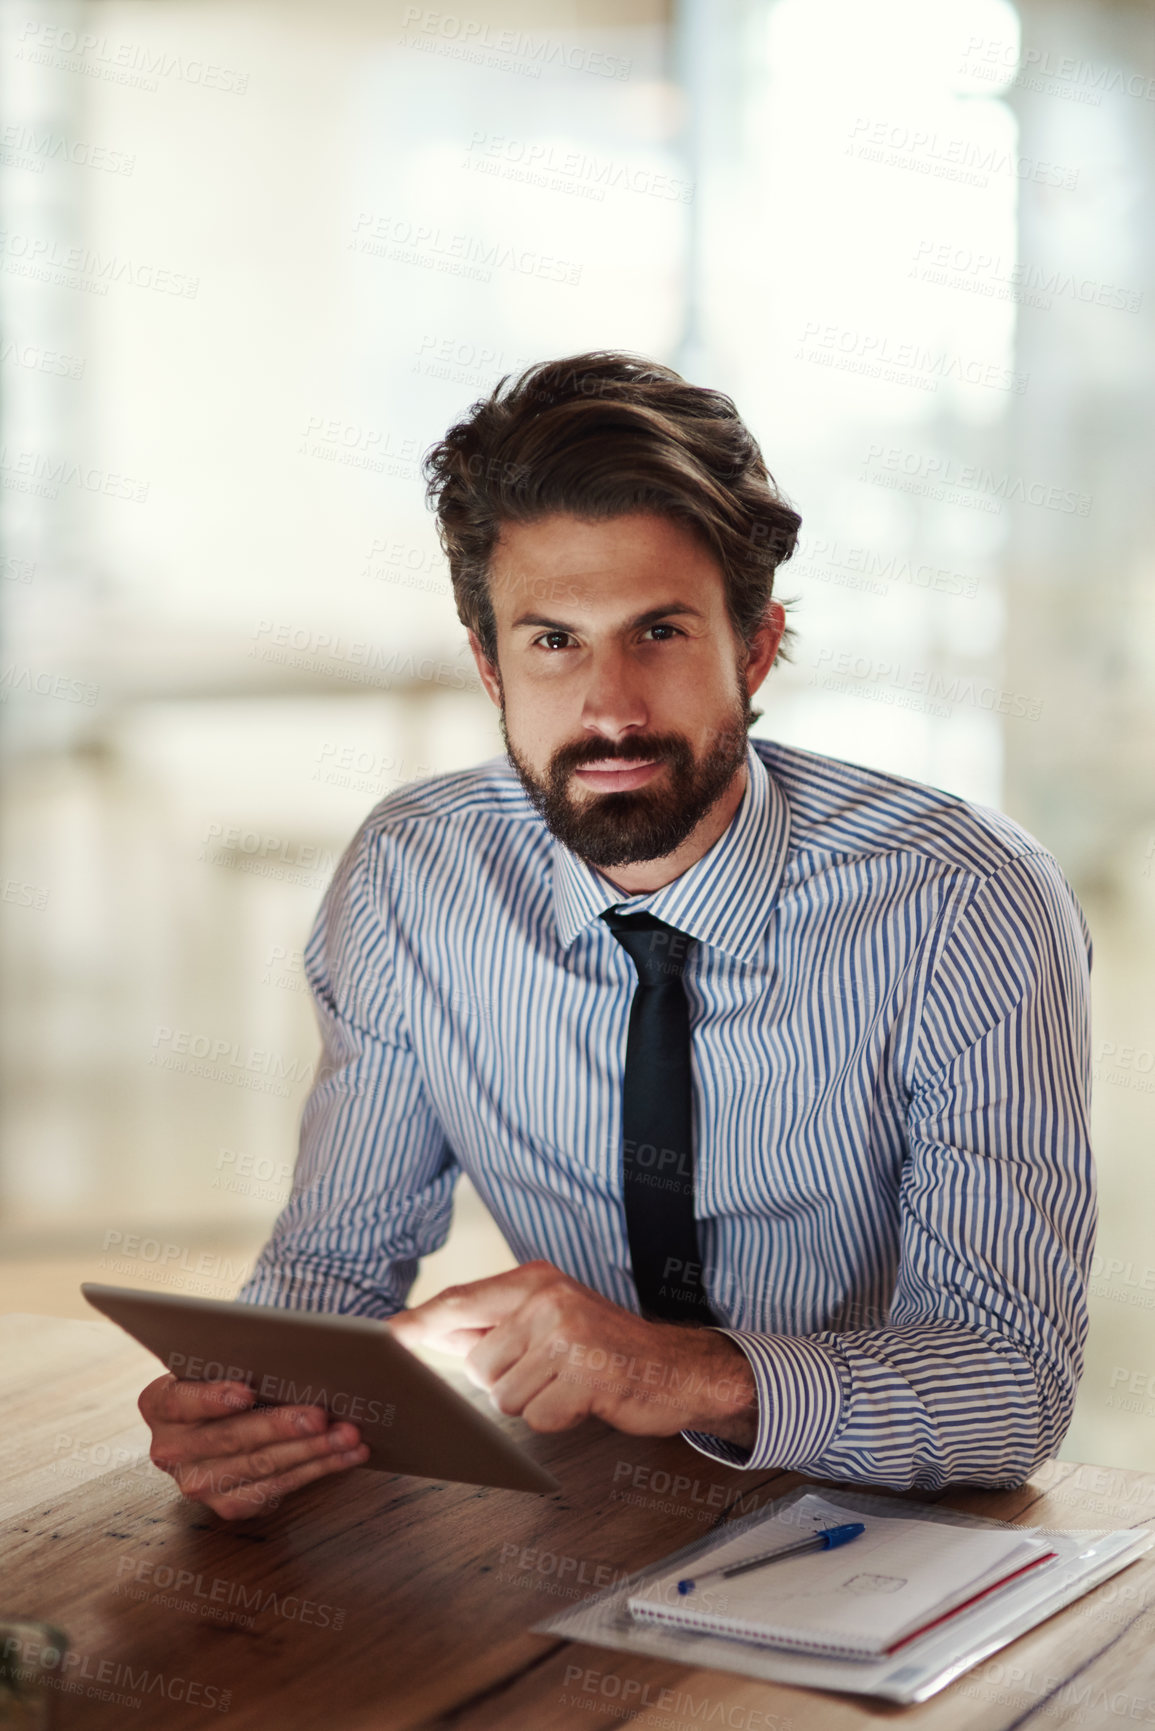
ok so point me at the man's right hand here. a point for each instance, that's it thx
(240, 1463)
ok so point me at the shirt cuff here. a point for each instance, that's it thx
(800, 1404)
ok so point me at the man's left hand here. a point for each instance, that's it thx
(555, 1352)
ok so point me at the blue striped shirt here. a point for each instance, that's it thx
(888, 1000)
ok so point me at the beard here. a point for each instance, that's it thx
(645, 823)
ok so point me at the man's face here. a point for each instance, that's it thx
(624, 692)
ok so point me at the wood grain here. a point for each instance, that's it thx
(69, 1392)
(1082, 1667)
(396, 1596)
(386, 1603)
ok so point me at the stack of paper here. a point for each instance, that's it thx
(895, 1581)
(921, 1611)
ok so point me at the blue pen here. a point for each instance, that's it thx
(827, 1540)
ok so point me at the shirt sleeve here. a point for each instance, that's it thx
(373, 1184)
(972, 1375)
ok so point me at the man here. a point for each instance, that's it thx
(773, 1070)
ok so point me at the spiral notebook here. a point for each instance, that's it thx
(896, 1581)
(921, 1664)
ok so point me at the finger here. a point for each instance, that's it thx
(525, 1380)
(217, 1439)
(570, 1398)
(480, 1304)
(169, 1400)
(446, 1322)
(557, 1406)
(244, 1501)
(223, 1473)
(461, 1342)
(497, 1351)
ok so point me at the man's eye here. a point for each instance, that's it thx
(555, 640)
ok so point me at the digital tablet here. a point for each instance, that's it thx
(412, 1420)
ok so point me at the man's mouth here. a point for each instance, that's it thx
(615, 775)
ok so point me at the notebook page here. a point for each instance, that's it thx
(860, 1598)
(915, 1673)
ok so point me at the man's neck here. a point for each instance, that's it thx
(648, 875)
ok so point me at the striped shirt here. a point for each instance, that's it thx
(888, 996)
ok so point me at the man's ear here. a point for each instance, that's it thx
(765, 645)
(487, 670)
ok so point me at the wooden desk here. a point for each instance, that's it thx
(373, 1602)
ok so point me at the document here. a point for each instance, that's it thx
(838, 1640)
(897, 1580)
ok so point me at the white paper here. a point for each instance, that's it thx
(920, 1670)
(858, 1599)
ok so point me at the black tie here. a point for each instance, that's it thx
(657, 1124)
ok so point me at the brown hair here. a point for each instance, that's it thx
(599, 435)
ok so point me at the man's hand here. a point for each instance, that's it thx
(554, 1352)
(237, 1462)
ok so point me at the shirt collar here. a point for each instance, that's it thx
(724, 899)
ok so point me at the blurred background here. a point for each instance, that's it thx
(254, 259)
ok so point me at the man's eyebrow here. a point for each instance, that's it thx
(650, 617)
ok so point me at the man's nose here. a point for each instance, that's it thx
(614, 700)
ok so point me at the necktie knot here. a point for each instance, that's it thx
(658, 951)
